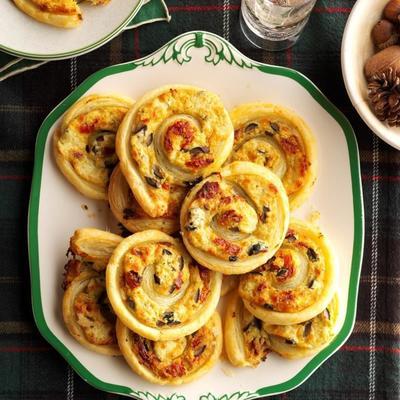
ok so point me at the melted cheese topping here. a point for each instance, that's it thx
(290, 281)
(275, 143)
(310, 334)
(234, 219)
(94, 314)
(181, 357)
(161, 287)
(88, 143)
(177, 137)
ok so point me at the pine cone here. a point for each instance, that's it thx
(384, 94)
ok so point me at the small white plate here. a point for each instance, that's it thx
(208, 61)
(357, 47)
(23, 36)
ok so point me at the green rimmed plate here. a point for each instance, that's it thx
(22, 36)
(208, 61)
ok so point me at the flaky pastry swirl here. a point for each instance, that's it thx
(297, 283)
(84, 145)
(86, 310)
(173, 136)
(235, 220)
(176, 361)
(157, 290)
(277, 138)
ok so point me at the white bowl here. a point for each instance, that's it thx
(357, 47)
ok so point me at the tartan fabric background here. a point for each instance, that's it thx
(366, 367)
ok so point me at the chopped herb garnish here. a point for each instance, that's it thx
(232, 258)
(157, 279)
(256, 248)
(268, 306)
(264, 214)
(275, 127)
(312, 255)
(192, 183)
(250, 127)
(152, 182)
(290, 341)
(166, 252)
(149, 140)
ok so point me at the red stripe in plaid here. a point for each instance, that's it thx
(332, 10)
(231, 7)
(388, 178)
(368, 348)
(24, 349)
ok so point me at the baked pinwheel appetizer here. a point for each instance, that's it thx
(84, 146)
(61, 13)
(229, 282)
(280, 140)
(297, 283)
(86, 310)
(235, 220)
(246, 342)
(307, 338)
(174, 135)
(157, 290)
(129, 213)
(176, 361)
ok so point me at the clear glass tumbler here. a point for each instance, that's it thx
(274, 24)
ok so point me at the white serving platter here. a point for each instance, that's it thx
(205, 60)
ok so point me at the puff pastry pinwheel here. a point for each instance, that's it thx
(280, 140)
(297, 283)
(174, 135)
(86, 310)
(235, 220)
(157, 290)
(129, 213)
(61, 13)
(246, 342)
(176, 361)
(84, 146)
(307, 338)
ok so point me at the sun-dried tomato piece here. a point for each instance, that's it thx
(199, 162)
(227, 247)
(208, 191)
(229, 217)
(132, 279)
(179, 128)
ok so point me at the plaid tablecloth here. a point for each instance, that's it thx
(366, 367)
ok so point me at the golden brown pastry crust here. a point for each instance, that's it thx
(129, 213)
(277, 138)
(173, 362)
(307, 338)
(235, 220)
(84, 145)
(173, 136)
(60, 13)
(86, 309)
(157, 290)
(297, 283)
(246, 343)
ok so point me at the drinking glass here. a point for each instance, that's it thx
(274, 24)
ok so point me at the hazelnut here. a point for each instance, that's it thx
(384, 34)
(383, 60)
(392, 10)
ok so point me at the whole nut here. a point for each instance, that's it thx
(384, 34)
(392, 10)
(383, 60)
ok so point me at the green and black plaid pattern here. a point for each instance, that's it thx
(367, 367)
